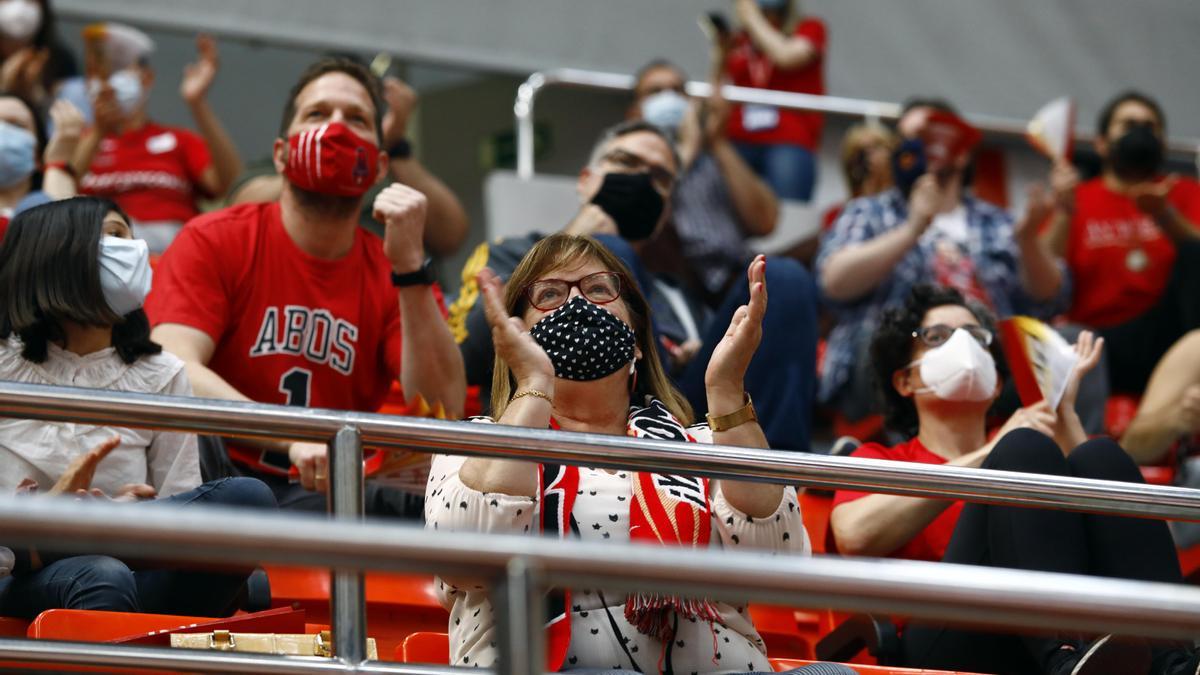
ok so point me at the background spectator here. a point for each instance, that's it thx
(927, 228)
(33, 60)
(1131, 241)
(777, 48)
(292, 302)
(34, 170)
(155, 172)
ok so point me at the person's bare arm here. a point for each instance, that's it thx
(533, 371)
(788, 52)
(1151, 199)
(430, 363)
(197, 78)
(1040, 274)
(195, 348)
(857, 269)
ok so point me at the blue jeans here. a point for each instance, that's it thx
(782, 375)
(105, 583)
(790, 170)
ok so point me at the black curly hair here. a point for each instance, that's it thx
(892, 348)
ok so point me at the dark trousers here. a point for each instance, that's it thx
(104, 583)
(1042, 540)
(782, 375)
(1137, 345)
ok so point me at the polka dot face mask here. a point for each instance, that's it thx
(584, 341)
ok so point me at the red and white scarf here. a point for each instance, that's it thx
(665, 509)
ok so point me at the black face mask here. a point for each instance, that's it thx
(1138, 154)
(584, 341)
(908, 164)
(631, 200)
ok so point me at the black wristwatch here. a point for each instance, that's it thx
(423, 276)
(401, 149)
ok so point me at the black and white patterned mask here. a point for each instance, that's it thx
(584, 341)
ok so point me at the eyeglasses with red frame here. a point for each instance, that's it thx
(600, 288)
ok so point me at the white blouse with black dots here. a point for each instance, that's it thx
(602, 512)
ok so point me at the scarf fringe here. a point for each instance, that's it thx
(651, 614)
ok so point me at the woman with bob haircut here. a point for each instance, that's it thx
(72, 282)
(574, 351)
(938, 368)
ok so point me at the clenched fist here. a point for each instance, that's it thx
(402, 211)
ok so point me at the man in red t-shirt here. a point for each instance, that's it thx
(292, 302)
(155, 172)
(780, 144)
(1131, 242)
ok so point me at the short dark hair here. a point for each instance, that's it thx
(934, 102)
(335, 64)
(656, 64)
(1110, 109)
(50, 273)
(892, 348)
(632, 127)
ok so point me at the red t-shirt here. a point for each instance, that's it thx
(152, 173)
(929, 544)
(1120, 260)
(289, 328)
(747, 67)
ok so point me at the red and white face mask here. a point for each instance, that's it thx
(332, 160)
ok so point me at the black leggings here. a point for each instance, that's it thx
(1042, 540)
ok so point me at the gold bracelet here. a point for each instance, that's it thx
(532, 392)
(734, 419)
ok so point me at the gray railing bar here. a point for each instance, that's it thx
(187, 660)
(519, 605)
(935, 591)
(527, 92)
(256, 420)
(347, 595)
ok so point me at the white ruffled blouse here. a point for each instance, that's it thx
(43, 450)
(598, 624)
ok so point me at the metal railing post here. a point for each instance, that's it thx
(518, 602)
(347, 597)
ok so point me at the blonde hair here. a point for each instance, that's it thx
(854, 142)
(560, 250)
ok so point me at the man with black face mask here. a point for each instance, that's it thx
(927, 229)
(625, 193)
(1130, 240)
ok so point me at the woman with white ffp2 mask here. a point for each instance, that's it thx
(936, 359)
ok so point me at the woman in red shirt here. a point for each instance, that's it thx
(776, 49)
(937, 363)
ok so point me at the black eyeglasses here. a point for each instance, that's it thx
(937, 334)
(600, 288)
(663, 180)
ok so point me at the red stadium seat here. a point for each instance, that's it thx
(425, 647)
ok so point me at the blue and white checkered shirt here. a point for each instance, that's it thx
(989, 244)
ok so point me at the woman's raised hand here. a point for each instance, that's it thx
(525, 357)
(1089, 348)
(731, 357)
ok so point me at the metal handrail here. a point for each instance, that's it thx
(526, 566)
(276, 422)
(528, 91)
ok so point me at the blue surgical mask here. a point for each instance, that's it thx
(124, 273)
(666, 109)
(16, 154)
(127, 87)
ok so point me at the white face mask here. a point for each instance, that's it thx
(124, 273)
(20, 19)
(959, 370)
(127, 86)
(665, 109)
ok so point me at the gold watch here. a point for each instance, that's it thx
(734, 419)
